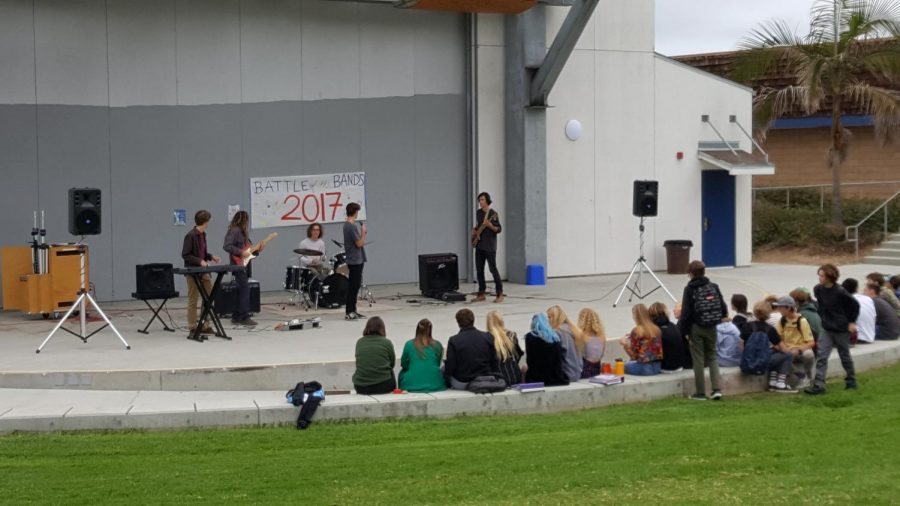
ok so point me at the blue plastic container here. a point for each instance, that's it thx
(534, 275)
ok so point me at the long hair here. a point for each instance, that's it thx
(590, 324)
(241, 220)
(643, 325)
(502, 343)
(657, 310)
(423, 337)
(557, 317)
(375, 327)
(540, 327)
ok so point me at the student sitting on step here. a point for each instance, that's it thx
(594, 342)
(375, 361)
(643, 344)
(544, 354)
(676, 356)
(420, 362)
(728, 344)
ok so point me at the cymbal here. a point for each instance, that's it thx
(308, 252)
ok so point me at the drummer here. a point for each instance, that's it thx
(314, 242)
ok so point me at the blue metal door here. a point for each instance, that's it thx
(718, 218)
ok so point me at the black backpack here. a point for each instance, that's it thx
(298, 394)
(708, 305)
(757, 350)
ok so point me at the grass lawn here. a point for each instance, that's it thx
(843, 447)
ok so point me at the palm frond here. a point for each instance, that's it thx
(769, 34)
(881, 104)
(770, 104)
(883, 63)
(878, 18)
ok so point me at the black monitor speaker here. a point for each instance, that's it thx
(84, 211)
(154, 281)
(438, 273)
(645, 198)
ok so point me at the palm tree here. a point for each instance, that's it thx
(852, 45)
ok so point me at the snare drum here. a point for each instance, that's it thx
(339, 264)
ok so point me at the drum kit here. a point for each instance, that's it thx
(324, 284)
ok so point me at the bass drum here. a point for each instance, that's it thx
(333, 291)
(339, 264)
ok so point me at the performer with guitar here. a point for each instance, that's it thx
(484, 240)
(241, 250)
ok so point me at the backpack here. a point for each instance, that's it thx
(755, 359)
(486, 385)
(708, 305)
(298, 395)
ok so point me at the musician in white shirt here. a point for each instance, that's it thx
(314, 241)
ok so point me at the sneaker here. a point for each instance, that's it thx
(814, 390)
(350, 316)
(499, 298)
(247, 322)
(716, 395)
(360, 316)
(479, 298)
(784, 388)
(697, 397)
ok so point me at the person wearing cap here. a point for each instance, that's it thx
(807, 309)
(797, 336)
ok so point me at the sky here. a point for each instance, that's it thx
(706, 26)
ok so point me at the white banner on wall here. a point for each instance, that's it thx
(300, 200)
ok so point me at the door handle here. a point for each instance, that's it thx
(705, 224)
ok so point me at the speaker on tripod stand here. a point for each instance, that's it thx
(644, 198)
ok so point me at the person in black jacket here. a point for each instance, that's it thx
(195, 253)
(839, 311)
(544, 354)
(470, 353)
(699, 317)
(675, 355)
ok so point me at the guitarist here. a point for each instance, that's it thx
(238, 246)
(484, 239)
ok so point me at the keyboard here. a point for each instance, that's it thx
(208, 269)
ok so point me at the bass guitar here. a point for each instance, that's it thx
(253, 249)
(476, 233)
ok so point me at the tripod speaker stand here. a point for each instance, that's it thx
(81, 304)
(640, 265)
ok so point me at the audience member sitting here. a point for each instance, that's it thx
(774, 316)
(895, 284)
(728, 344)
(884, 291)
(594, 342)
(779, 365)
(739, 306)
(865, 322)
(508, 350)
(470, 353)
(544, 354)
(675, 354)
(375, 361)
(808, 309)
(420, 362)
(797, 337)
(643, 345)
(570, 338)
(887, 323)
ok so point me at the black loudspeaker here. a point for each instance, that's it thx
(438, 273)
(154, 281)
(84, 211)
(226, 298)
(645, 197)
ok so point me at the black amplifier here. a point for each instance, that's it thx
(226, 298)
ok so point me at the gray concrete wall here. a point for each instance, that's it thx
(166, 104)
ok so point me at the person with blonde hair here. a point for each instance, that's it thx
(509, 353)
(570, 338)
(675, 354)
(420, 363)
(643, 344)
(594, 342)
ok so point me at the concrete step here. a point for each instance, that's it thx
(881, 260)
(883, 252)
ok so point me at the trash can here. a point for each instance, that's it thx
(678, 255)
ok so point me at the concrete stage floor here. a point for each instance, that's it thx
(262, 358)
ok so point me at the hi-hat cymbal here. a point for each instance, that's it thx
(308, 252)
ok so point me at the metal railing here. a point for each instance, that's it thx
(855, 228)
(821, 187)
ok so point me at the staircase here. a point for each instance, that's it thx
(888, 253)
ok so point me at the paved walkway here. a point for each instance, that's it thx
(242, 382)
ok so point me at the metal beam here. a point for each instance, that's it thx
(572, 28)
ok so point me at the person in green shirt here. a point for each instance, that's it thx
(420, 363)
(375, 361)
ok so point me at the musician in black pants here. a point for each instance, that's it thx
(237, 244)
(484, 238)
(354, 241)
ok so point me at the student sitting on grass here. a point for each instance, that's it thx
(594, 342)
(728, 344)
(887, 324)
(643, 344)
(420, 362)
(544, 354)
(675, 355)
(797, 337)
(509, 353)
(375, 361)
(570, 337)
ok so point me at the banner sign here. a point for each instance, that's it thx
(300, 200)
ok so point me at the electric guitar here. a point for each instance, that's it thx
(476, 233)
(253, 249)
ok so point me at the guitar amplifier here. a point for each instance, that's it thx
(438, 273)
(226, 298)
